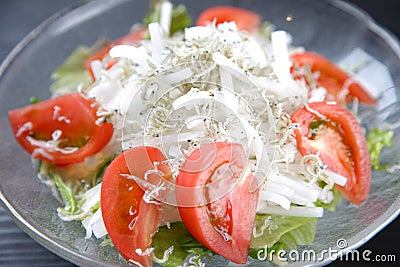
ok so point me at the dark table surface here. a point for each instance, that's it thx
(19, 17)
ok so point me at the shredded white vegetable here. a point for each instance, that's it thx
(293, 211)
(166, 17)
(210, 83)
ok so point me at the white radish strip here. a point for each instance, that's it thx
(316, 212)
(284, 167)
(156, 41)
(267, 195)
(336, 178)
(231, 67)
(307, 192)
(281, 64)
(95, 65)
(195, 123)
(226, 78)
(105, 93)
(290, 177)
(222, 60)
(228, 98)
(256, 53)
(98, 227)
(135, 54)
(166, 17)
(299, 200)
(95, 224)
(87, 226)
(281, 90)
(190, 99)
(115, 73)
(279, 189)
(92, 197)
(304, 191)
(255, 142)
(178, 76)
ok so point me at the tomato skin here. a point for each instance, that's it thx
(132, 38)
(130, 221)
(74, 115)
(332, 78)
(235, 211)
(244, 19)
(356, 169)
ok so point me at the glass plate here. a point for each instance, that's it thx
(332, 28)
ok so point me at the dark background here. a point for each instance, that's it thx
(19, 17)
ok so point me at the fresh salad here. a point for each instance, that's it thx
(176, 142)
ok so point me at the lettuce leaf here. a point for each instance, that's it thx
(376, 140)
(282, 233)
(67, 196)
(72, 73)
(178, 236)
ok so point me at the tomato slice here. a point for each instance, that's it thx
(332, 78)
(131, 221)
(215, 201)
(69, 120)
(339, 139)
(244, 19)
(133, 38)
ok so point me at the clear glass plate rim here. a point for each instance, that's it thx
(370, 23)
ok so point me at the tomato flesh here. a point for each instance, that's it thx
(73, 116)
(332, 78)
(341, 143)
(131, 221)
(215, 201)
(244, 19)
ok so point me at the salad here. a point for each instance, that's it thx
(177, 142)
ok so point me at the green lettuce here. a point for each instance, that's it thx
(376, 140)
(282, 233)
(67, 196)
(72, 73)
(178, 236)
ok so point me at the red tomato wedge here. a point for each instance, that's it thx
(133, 38)
(339, 139)
(215, 201)
(131, 221)
(333, 79)
(69, 120)
(244, 19)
